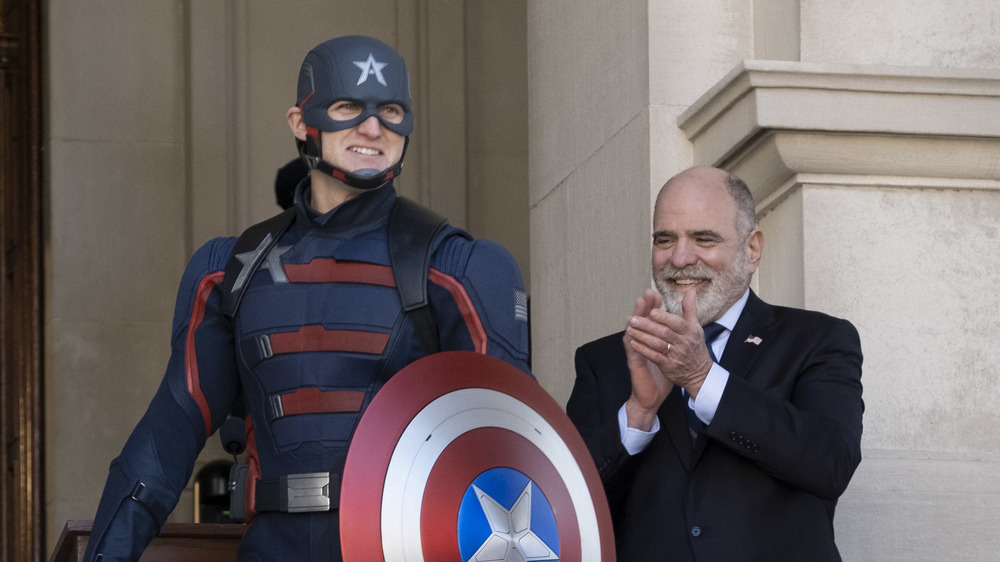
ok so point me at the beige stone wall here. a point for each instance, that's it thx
(115, 236)
(589, 166)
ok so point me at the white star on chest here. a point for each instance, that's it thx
(369, 67)
(271, 262)
(512, 539)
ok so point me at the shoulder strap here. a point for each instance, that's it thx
(412, 230)
(247, 255)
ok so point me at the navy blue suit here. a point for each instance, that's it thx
(762, 482)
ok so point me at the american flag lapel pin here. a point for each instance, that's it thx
(754, 340)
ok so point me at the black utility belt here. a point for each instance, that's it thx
(295, 493)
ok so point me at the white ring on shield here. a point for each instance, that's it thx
(441, 422)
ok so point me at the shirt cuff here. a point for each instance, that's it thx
(710, 393)
(635, 440)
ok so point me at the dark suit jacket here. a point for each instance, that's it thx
(763, 481)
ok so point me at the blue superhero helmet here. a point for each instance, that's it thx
(359, 69)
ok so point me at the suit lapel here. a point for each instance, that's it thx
(749, 335)
(748, 338)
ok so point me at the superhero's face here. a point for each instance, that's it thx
(369, 145)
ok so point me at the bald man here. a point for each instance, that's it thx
(724, 428)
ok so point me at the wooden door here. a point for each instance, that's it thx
(21, 505)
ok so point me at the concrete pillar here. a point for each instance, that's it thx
(606, 87)
(115, 144)
(878, 188)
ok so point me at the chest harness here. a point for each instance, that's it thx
(411, 233)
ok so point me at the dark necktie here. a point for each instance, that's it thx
(713, 331)
(695, 425)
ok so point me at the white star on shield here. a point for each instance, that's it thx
(512, 539)
(370, 66)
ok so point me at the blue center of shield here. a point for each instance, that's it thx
(505, 516)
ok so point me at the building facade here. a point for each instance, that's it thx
(869, 133)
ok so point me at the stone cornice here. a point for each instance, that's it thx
(769, 120)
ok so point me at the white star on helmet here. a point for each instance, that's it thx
(370, 66)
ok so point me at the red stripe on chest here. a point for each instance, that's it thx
(316, 401)
(329, 270)
(318, 338)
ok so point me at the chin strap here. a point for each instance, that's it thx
(309, 151)
(354, 180)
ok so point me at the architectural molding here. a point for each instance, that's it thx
(771, 120)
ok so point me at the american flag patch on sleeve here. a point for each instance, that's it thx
(520, 305)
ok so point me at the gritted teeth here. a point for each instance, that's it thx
(687, 281)
(366, 151)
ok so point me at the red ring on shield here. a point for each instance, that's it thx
(432, 429)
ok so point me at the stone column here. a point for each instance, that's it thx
(878, 191)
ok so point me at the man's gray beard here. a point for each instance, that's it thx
(724, 288)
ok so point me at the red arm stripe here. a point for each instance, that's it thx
(190, 353)
(465, 306)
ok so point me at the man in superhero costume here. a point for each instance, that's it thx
(319, 328)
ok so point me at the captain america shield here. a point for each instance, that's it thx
(461, 456)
